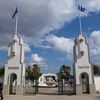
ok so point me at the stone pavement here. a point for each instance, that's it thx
(52, 97)
(52, 94)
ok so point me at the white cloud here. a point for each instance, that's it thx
(27, 47)
(51, 15)
(37, 59)
(60, 43)
(38, 17)
(3, 48)
(95, 43)
(65, 45)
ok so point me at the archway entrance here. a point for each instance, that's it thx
(85, 82)
(12, 83)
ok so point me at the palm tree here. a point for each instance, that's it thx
(65, 69)
(36, 71)
(33, 73)
(65, 72)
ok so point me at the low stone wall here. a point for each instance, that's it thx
(97, 83)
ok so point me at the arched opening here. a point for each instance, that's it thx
(84, 78)
(12, 83)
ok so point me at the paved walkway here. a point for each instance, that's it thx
(52, 94)
(52, 97)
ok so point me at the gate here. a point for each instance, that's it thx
(68, 89)
(65, 87)
(31, 89)
(60, 85)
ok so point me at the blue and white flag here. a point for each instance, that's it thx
(82, 9)
(16, 11)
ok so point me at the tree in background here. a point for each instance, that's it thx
(65, 72)
(27, 72)
(96, 69)
(1, 71)
(33, 73)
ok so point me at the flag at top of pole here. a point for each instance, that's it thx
(82, 9)
(16, 11)
(16, 14)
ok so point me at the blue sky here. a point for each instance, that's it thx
(70, 30)
(48, 28)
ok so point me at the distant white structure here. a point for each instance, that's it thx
(97, 83)
(48, 79)
(83, 69)
(14, 78)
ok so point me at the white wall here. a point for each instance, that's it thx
(97, 82)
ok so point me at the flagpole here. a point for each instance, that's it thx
(80, 20)
(17, 17)
(80, 23)
(16, 24)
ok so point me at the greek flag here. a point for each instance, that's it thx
(16, 11)
(82, 9)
